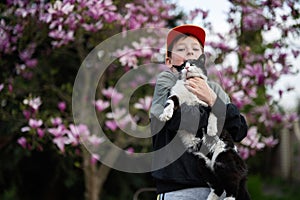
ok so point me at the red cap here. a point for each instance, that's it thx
(193, 30)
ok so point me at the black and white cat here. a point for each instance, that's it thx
(224, 169)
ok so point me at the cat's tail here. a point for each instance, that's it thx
(243, 193)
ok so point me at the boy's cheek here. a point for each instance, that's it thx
(177, 60)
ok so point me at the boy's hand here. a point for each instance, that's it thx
(200, 88)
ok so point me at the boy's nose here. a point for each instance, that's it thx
(190, 52)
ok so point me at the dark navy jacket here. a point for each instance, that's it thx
(184, 172)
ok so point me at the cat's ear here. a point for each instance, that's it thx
(201, 61)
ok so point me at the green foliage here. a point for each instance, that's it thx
(272, 189)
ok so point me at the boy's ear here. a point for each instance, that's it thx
(168, 62)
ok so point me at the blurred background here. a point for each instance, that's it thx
(253, 53)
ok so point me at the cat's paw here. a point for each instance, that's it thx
(212, 196)
(194, 145)
(168, 111)
(167, 114)
(212, 130)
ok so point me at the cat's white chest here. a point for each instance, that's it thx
(184, 95)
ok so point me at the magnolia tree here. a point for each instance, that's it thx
(261, 38)
(43, 44)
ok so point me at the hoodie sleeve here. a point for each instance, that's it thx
(165, 81)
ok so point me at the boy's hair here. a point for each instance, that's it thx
(181, 36)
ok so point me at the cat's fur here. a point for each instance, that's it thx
(224, 169)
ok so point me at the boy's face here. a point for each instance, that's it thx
(184, 49)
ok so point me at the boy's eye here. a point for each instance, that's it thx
(196, 49)
(181, 49)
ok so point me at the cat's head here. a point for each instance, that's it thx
(200, 62)
(191, 70)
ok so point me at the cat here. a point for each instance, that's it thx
(180, 94)
(224, 169)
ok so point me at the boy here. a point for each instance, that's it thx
(181, 179)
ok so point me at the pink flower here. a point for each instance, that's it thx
(111, 124)
(77, 132)
(101, 105)
(23, 142)
(253, 139)
(94, 158)
(130, 150)
(144, 103)
(25, 129)
(116, 97)
(60, 143)
(95, 140)
(33, 103)
(244, 152)
(112, 94)
(1, 86)
(62, 106)
(58, 131)
(35, 123)
(27, 114)
(108, 92)
(270, 141)
(40, 132)
(56, 121)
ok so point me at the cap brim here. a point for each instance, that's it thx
(193, 30)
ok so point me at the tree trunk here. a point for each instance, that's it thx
(95, 177)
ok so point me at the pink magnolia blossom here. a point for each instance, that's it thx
(270, 141)
(25, 129)
(111, 124)
(125, 121)
(130, 150)
(113, 94)
(33, 123)
(116, 97)
(57, 131)
(244, 152)
(94, 158)
(34, 103)
(108, 92)
(252, 139)
(240, 99)
(256, 71)
(144, 103)
(62, 106)
(56, 121)
(40, 132)
(60, 142)
(101, 105)
(253, 18)
(95, 140)
(78, 132)
(27, 114)
(23, 142)
(1, 86)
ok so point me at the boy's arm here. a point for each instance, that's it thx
(165, 81)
